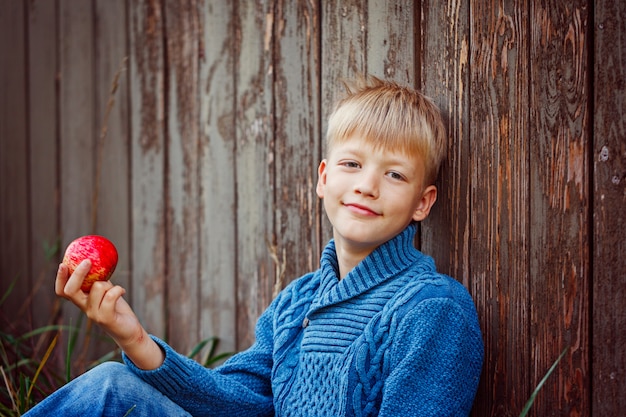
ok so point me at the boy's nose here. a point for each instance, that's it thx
(367, 185)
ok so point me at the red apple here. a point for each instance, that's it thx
(99, 250)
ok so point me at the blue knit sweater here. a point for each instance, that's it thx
(393, 338)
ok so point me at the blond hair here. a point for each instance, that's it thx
(390, 116)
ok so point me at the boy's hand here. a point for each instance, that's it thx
(105, 306)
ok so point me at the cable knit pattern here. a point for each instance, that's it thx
(392, 338)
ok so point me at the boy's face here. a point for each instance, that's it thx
(371, 195)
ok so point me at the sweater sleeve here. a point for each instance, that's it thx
(240, 387)
(436, 361)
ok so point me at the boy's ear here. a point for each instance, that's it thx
(321, 179)
(429, 197)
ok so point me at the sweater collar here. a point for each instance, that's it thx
(384, 262)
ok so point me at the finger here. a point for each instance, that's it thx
(103, 299)
(110, 299)
(77, 277)
(61, 279)
(97, 292)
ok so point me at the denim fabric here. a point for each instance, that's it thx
(110, 389)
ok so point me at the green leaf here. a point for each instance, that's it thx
(42, 363)
(8, 291)
(200, 346)
(130, 410)
(531, 400)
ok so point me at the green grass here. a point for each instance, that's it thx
(31, 365)
(531, 400)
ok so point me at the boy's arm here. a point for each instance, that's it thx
(436, 361)
(240, 387)
(105, 306)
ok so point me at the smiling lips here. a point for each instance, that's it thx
(360, 209)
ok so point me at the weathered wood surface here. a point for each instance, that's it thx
(112, 208)
(15, 254)
(296, 245)
(43, 127)
(444, 64)
(608, 199)
(182, 219)
(218, 238)
(254, 162)
(146, 81)
(560, 211)
(500, 212)
(217, 126)
(78, 133)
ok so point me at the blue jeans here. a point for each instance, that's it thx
(109, 389)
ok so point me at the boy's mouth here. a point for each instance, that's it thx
(360, 209)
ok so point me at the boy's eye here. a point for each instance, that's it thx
(350, 164)
(396, 175)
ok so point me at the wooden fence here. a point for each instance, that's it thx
(189, 132)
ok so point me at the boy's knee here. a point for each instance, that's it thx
(108, 368)
(108, 373)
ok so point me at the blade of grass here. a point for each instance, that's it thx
(41, 364)
(44, 329)
(70, 348)
(131, 409)
(18, 364)
(211, 360)
(531, 400)
(51, 250)
(214, 341)
(21, 393)
(210, 357)
(109, 356)
(8, 291)
(10, 390)
(198, 348)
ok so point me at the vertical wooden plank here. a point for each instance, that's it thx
(112, 205)
(217, 174)
(183, 215)
(609, 201)
(147, 126)
(390, 40)
(560, 241)
(444, 63)
(109, 197)
(255, 162)
(14, 233)
(77, 142)
(499, 220)
(297, 154)
(43, 153)
(344, 47)
(77, 116)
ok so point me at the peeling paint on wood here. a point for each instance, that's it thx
(147, 120)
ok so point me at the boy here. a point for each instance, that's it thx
(375, 331)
